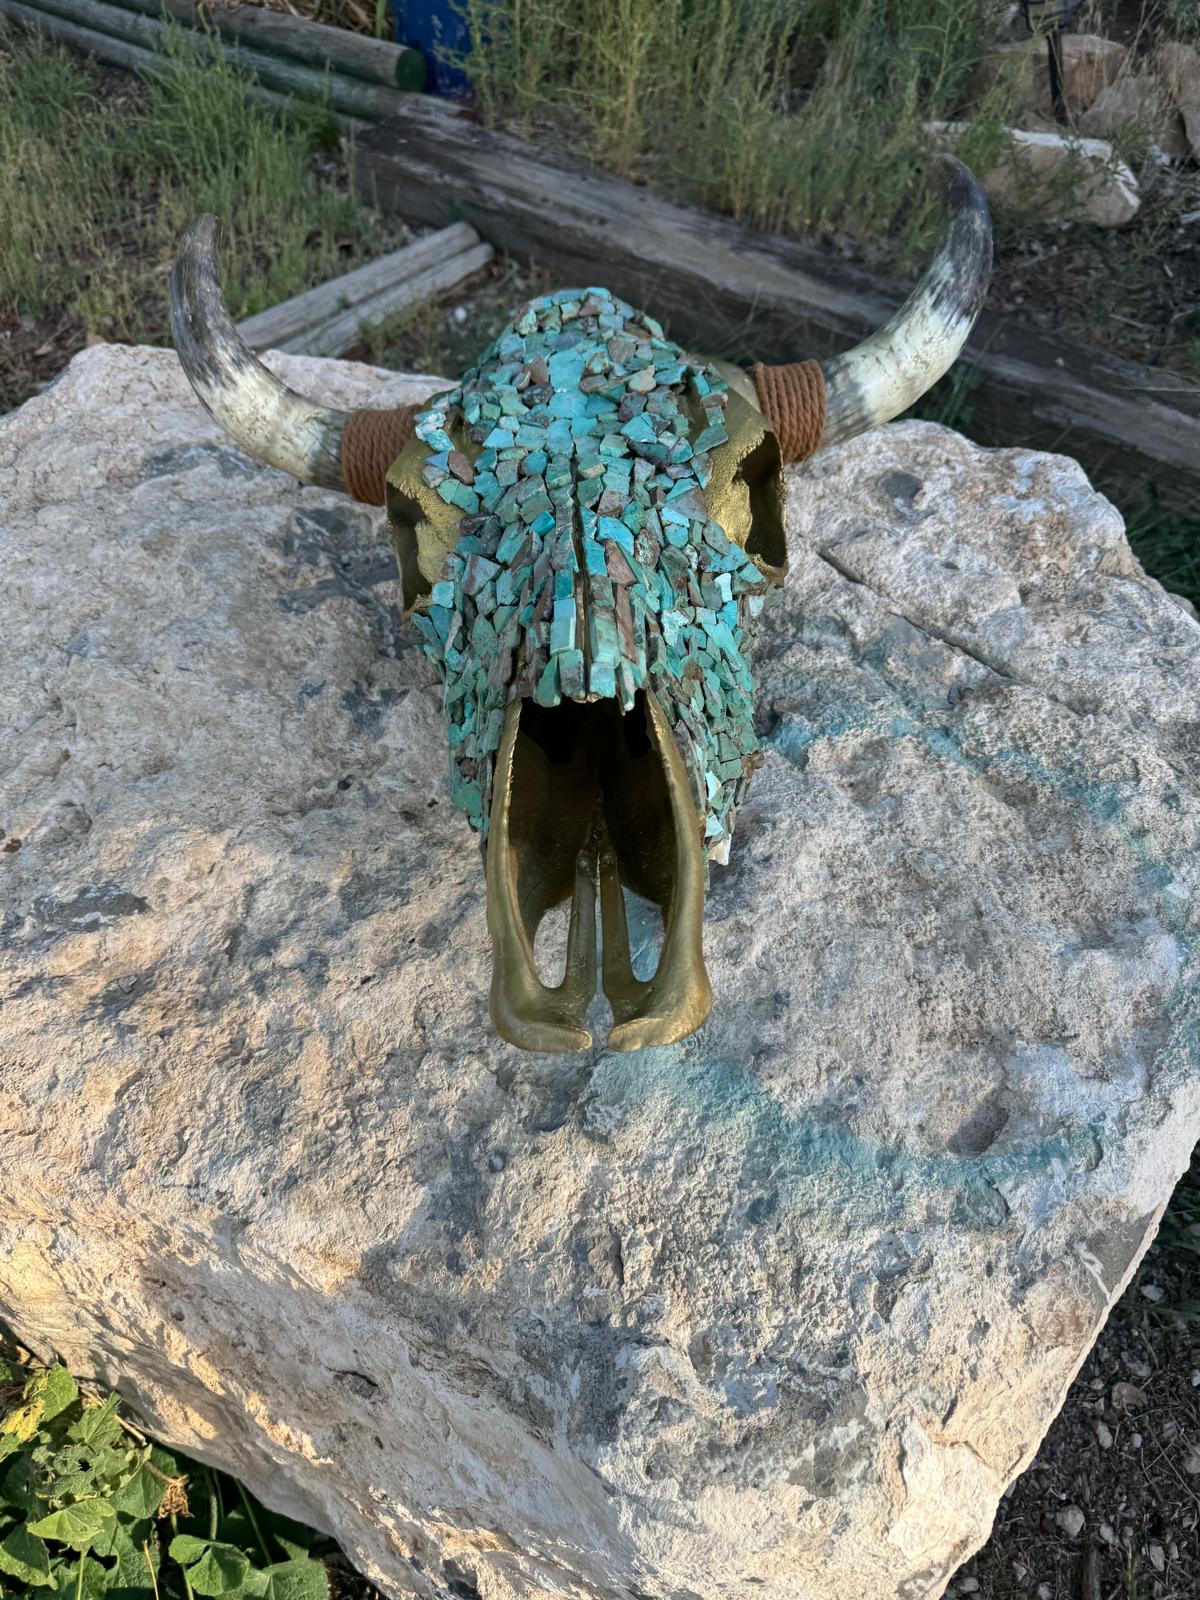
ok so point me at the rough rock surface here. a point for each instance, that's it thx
(1103, 190)
(778, 1312)
(1136, 100)
(1178, 66)
(1089, 64)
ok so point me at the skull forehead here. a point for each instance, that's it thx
(558, 502)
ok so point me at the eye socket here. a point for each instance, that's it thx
(761, 473)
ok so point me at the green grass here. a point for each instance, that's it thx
(792, 114)
(94, 193)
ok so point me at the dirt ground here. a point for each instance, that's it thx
(1110, 1508)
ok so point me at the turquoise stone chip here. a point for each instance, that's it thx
(488, 488)
(547, 693)
(566, 369)
(639, 429)
(542, 524)
(610, 528)
(499, 438)
(565, 405)
(535, 462)
(442, 594)
(709, 438)
(571, 674)
(593, 555)
(602, 680)
(458, 494)
(602, 637)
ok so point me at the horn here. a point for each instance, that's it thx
(255, 408)
(888, 372)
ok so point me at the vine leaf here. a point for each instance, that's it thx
(141, 1496)
(221, 1568)
(304, 1579)
(24, 1556)
(76, 1525)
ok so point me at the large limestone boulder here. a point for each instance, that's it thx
(774, 1313)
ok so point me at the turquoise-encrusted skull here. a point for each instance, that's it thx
(586, 529)
(589, 564)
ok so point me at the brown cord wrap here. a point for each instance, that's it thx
(370, 443)
(792, 398)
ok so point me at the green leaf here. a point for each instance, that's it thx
(114, 1540)
(24, 1556)
(58, 1391)
(24, 1421)
(219, 1570)
(18, 1488)
(131, 1573)
(304, 1579)
(186, 1548)
(75, 1525)
(67, 1585)
(98, 1425)
(9, 1444)
(140, 1496)
(79, 1471)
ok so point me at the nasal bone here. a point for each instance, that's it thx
(582, 809)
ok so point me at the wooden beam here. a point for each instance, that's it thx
(133, 58)
(726, 290)
(345, 330)
(295, 318)
(314, 44)
(346, 96)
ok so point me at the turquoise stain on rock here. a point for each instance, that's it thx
(821, 1169)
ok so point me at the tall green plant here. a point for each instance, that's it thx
(90, 1509)
(794, 114)
(94, 192)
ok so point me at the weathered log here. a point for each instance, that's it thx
(729, 290)
(311, 43)
(348, 96)
(342, 332)
(289, 323)
(122, 53)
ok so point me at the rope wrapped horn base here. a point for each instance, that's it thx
(370, 443)
(792, 398)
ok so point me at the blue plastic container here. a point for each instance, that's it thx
(436, 27)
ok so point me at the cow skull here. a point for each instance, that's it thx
(586, 529)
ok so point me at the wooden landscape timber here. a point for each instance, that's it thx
(346, 96)
(134, 58)
(730, 291)
(313, 44)
(327, 320)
